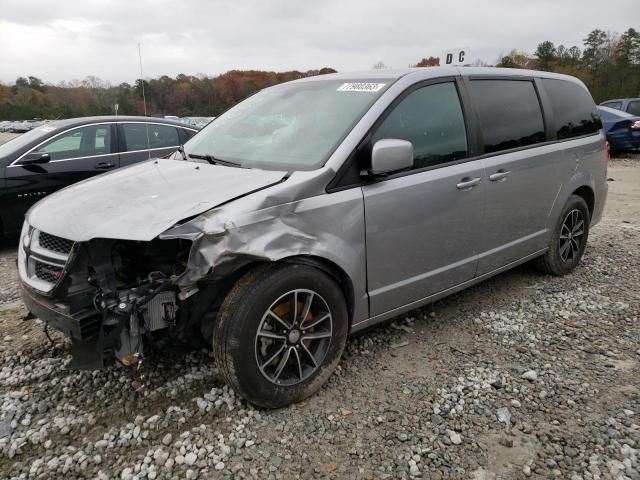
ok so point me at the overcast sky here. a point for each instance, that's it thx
(65, 39)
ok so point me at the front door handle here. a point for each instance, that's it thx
(468, 183)
(104, 166)
(499, 175)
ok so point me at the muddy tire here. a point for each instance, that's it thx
(568, 240)
(280, 334)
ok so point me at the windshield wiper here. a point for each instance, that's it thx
(215, 161)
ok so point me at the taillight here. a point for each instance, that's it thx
(636, 125)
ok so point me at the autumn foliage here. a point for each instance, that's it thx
(184, 95)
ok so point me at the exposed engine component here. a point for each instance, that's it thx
(146, 315)
(160, 312)
(133, 261)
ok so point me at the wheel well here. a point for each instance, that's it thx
(226, 282)
(588, 196)
(338, 274)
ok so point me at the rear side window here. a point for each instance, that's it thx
(616, 105)
(509, 112)
(634, 107)
(574, 111)
(431, 119)
(143, 136)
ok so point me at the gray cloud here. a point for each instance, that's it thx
(73, 39)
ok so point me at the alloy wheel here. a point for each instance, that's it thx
(293, 337)
(571, 235)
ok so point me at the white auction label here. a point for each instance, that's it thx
(361, 87)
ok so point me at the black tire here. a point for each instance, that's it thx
(240, 352)
(560, 259)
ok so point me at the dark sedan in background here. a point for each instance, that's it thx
(629, 105)
(622, 129)
(63, 152)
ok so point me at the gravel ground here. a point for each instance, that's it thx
(6, 136)
(522, 376)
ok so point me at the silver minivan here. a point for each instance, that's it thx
(315, 209)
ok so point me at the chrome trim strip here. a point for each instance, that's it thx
(44, 259)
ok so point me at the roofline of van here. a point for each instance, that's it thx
(426, 73)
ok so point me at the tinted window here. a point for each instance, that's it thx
(616, 105)
(431, 119)
(80, 142)
(634, 107)
(141, 136)
(509, 112)
(573, 108)
(188, 133)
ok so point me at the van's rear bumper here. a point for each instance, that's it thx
(601, 199)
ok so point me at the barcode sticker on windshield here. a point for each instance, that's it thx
(361, 87)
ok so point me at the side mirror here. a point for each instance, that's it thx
(391, 155)
(34, 158)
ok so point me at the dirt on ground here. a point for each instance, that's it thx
(522, 376)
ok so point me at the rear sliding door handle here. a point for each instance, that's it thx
(499, 175)
(468, 183)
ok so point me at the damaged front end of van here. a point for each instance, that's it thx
(118, 280)
(113, 278)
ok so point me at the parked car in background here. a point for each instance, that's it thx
(622, 129)
(629, 105)
(199, 122)
(263, 248)
(54, 155)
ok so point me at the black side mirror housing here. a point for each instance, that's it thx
(35, 158)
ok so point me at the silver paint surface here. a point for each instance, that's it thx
(142, 201)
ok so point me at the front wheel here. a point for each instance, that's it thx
(569, 239)
(280, 334)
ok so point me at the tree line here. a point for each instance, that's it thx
(609, 64)
(185, 95)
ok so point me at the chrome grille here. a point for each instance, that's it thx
(56, 244)
(42, 258)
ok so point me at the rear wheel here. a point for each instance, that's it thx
(280, 334)
(569, 239)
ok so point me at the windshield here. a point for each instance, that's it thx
(11, 146)
(294, 126)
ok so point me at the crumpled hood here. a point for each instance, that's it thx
(144, 200)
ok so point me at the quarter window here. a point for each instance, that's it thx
(79, 142)
(634, 107)
(144, 136)
(509, 113)
(431, 119)
(574, 111)
(188, 133)
(616, 105)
